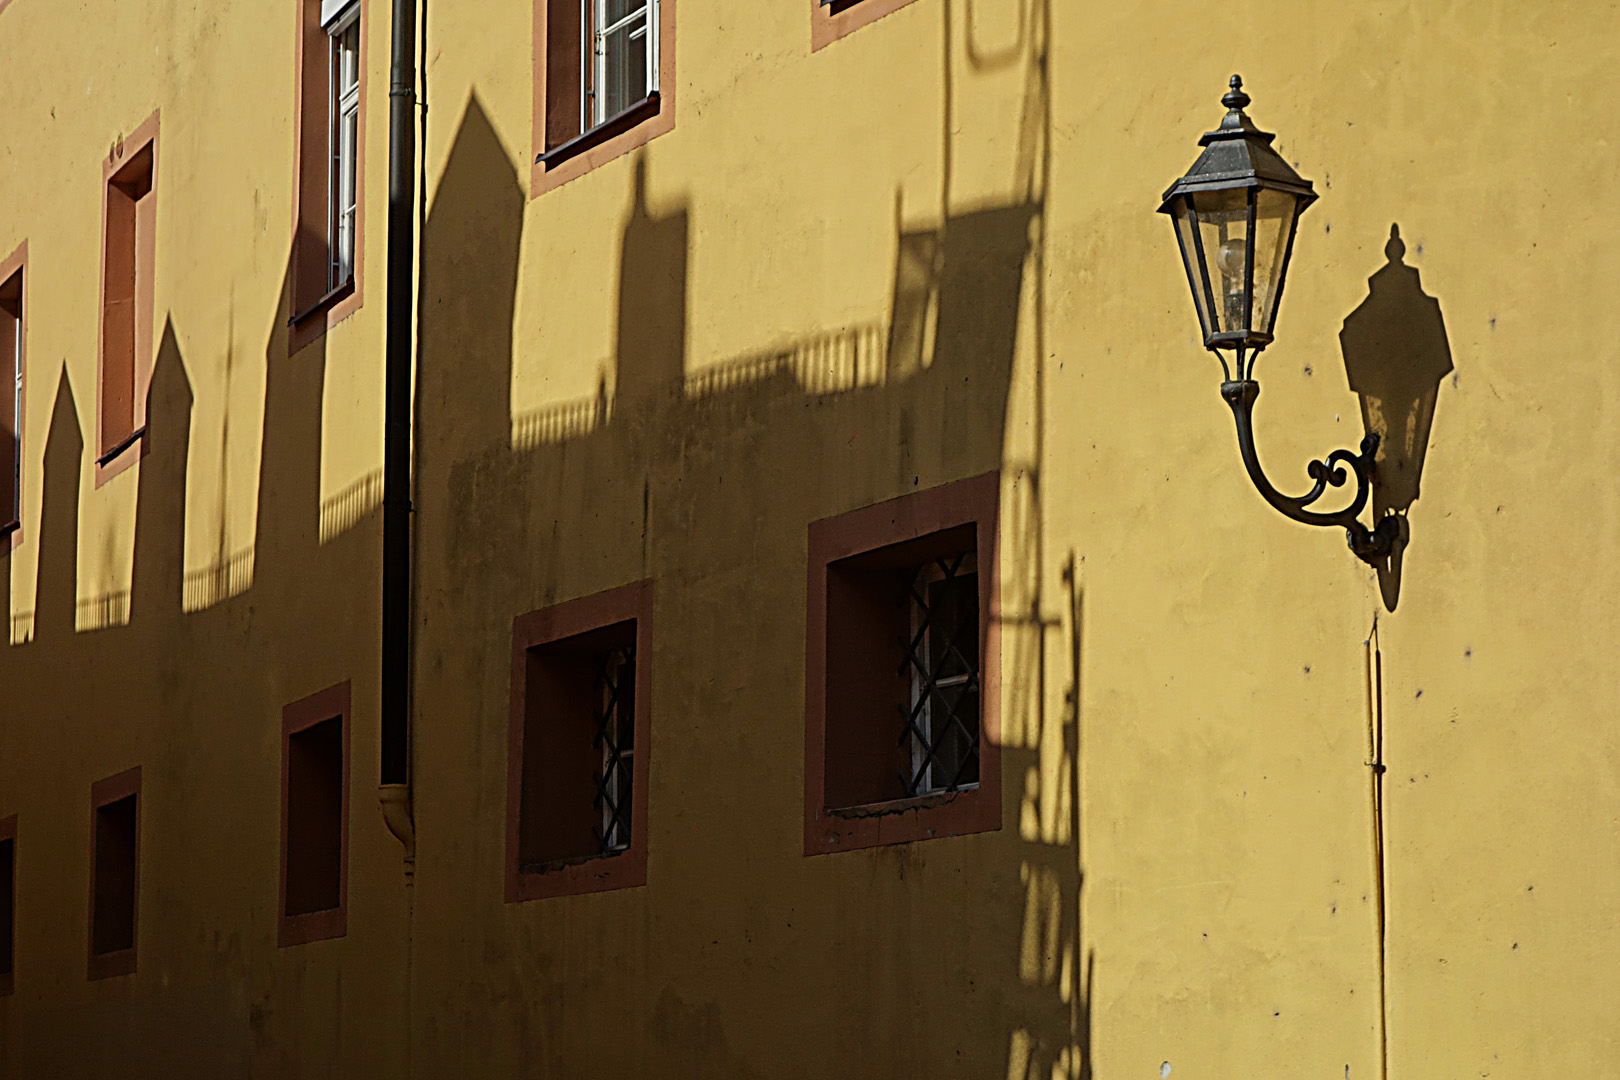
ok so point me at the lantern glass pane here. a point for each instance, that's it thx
(1223, 224)
(1275, 215)
(1189, 258)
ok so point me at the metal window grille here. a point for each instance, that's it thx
(942, 659)
(615, 741)
(342, 171)
(619, 58)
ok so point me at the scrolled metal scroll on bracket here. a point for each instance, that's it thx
(1369, 545)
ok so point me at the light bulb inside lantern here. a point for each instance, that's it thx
(1229, 257)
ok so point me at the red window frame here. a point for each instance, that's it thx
(128, 266)
(106, 965)
(333, 703)
(831, 21)
(548, 626)
(14, 368)
(973, 502)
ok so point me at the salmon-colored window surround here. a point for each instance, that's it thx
(8, 904)
(581, 119)
(128, 261)
(315, 818)
(576, 818)
(115, 873)
(13, 335)
(323, 291)
(902, 635)
(830, 21)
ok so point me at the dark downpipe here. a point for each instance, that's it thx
(395, 791)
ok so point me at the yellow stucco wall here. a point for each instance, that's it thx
(921, 253)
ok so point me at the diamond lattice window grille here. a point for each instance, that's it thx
(942, 659)
(615, 714)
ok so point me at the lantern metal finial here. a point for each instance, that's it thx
(1235, 99)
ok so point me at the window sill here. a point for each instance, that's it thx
(645, 109)
(111, 965)
(903, 821)
(901, 806)
(123, 444)
(625, 869)
(832, 20)
(329, 300)
(552, 866)
(323, 925)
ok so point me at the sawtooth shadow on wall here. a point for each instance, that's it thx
(194, 697)
(704, 476)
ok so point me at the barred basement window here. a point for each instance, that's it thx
(901, 682)
(942, 659)
(578, 765)
(615, 714)
(579, 744)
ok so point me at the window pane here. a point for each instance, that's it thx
(348, 44)
(314, 809)
(348, 141)
(1273, 228)
(626, 66)
(112, 916)
(345, 107)
(8, 888)
(616, 739)
(944, 675)
(1223, 221)
(618, 9)
(1185, 224)
(954, 718)
(953, 618)
(11, 403)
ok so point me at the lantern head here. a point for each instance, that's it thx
(1235, 212)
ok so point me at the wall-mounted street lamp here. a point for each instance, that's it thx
(1235, 214)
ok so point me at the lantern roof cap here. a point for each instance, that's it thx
(1238, 155)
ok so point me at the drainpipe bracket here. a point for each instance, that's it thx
(395, 802)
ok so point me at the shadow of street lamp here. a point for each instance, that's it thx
(1396, 355)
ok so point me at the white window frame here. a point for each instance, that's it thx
(15, 510)
(593, 68)
(13, 513)
(342, 158)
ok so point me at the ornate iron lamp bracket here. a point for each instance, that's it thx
(1370, 545)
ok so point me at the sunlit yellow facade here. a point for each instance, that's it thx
(853, 268)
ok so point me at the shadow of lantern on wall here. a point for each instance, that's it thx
(1235, 212)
